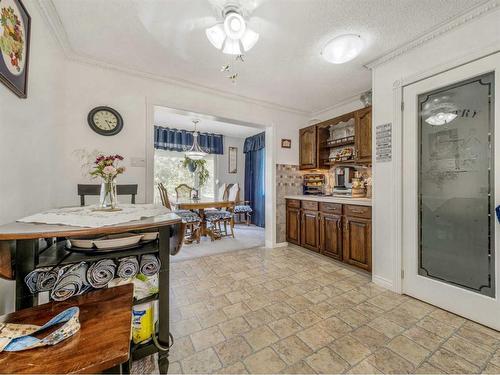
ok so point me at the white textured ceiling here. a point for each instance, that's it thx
(167, 118)
(167, 38)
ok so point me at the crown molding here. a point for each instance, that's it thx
(51, 16)
(435, 32)
(343, 102)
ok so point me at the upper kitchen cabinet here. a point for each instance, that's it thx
(318, 150)
(308, 148)
(363, 135)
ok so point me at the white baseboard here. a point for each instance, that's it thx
(383, 282)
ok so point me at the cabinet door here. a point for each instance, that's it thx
(307, 147)
(364, 134)
(293, 225)
(309, 237)
(331, 235)
(358, 242)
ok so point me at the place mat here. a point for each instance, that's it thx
(87, 216)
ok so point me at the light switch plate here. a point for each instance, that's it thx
(137, 162)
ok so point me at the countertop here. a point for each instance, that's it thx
(330, 199)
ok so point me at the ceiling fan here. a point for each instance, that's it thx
(231, 33)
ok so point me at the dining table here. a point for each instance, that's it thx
(200, 205)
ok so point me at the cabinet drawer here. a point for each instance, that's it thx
(358, 211)
(308, 205)
(334, 208)
(295, 203)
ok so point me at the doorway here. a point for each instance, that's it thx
(451, 189)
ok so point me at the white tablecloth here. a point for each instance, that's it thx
(87, 217)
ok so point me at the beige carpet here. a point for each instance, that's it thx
(246, 237)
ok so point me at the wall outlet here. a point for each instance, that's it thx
(137, 162)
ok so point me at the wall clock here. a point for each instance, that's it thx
(105, 120)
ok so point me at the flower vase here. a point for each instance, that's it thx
(108, 197)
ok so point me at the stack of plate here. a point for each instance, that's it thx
(112, 241)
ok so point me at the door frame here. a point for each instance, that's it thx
(475, 306)
(396, 284)
(269, 129)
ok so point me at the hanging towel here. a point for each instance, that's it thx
(41, 279)
(17, 337)
(127, 267)
(71, 281)
(101, 273)
(150, 265)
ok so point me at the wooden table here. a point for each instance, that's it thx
(200, 205)
(102, 343)
(22, 239)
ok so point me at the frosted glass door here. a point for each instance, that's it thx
(456, 185)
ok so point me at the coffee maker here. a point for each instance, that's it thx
(343, 181)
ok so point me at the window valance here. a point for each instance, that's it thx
(182, 140)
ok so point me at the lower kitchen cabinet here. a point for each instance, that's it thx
(309, 237)
(357, 247)
(330, 229)
(293, 224)
(339, 231)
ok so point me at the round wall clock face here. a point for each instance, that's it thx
(105, 121)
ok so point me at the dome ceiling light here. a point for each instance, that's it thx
(342, 49)
(232, 36)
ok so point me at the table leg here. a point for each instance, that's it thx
(204, 231)
(26, 261)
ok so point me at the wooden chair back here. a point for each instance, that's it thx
(87, 189)
(164, 196)
(184, 191)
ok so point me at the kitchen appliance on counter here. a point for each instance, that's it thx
(313, 184)
(343, 182)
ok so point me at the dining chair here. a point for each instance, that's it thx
(222, 192)
(240, 207)
(90, 189)
(184, 191)
(190, 218)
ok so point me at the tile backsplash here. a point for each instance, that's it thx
(288, 182)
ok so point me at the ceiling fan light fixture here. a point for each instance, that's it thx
(216, 35)
(234, 25)
(342, 49)
(232, 47)
(249, 39)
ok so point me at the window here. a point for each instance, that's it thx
(169, 170)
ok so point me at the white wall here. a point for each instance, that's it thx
(89, 86)
(477, 37)
(30, 137)
(223, 175)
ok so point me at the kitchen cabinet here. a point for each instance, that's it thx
(315, 149)
(309, 237)
(331, 235)
(308, 148)
(339, 231)
(293, 214)
(363, 130)
(357, 242)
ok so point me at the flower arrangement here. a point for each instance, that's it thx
(107, 167)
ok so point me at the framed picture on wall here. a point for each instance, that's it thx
(233, 159)
(286, 143)
(15, 26)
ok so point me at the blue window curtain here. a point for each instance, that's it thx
(255, 162)
(182, 140)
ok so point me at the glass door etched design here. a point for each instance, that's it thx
(456, 185)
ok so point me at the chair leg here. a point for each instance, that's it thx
(232, 231)
(248, 218)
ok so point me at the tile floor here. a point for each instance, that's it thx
(289, 311)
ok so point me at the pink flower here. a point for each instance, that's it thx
(109, 170)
